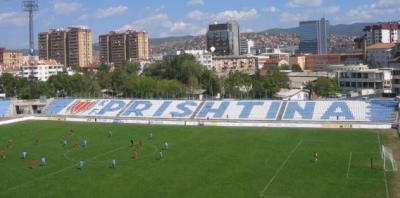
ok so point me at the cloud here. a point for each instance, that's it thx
(289, 17)
(195, 2)
(107, 12)
(369, 11)
(17, 19)
(66, 8)
(237, 15)
(304, 3)
(160, 25)
(178, 26)
(329, 10)
(270, 9)
(223, 16)
(198, 15)
(84, 17)
(152, 22)
(247, 30)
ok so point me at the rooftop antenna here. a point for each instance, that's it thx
(30, 6)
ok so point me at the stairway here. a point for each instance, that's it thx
(197, 110)
(281, 110)
(123, 109)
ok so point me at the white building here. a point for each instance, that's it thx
(293, 94)
(378, 55)
(41, 69)
(203, 56)
(245, 46)
(382, 33)
(379, 80)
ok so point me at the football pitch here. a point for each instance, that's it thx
(200, 162)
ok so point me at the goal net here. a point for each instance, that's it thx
(389, 164)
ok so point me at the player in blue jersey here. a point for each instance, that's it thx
(166, 145)
(160, 154)
(23, 156)
(114, 163)
(43, 161)
(81, 164)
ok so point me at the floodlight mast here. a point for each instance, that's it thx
(30, 6)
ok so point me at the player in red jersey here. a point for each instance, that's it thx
(9, 143)
(3, 153)
(140, 144)
(33, 164)
(135, 154)
(76, 143)
(37, 141)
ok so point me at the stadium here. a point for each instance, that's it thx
(218, 148)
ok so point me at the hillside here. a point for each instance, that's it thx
(354, 29)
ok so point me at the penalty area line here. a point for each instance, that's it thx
(277, 172)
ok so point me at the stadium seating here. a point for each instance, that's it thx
(5, 108)
(248, 110)
(381, 110)
(58, 105)
(323, 110)
(161, 108)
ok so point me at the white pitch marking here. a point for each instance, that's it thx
(348, 167)
(272, 179)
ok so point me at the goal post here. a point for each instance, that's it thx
(389, 164)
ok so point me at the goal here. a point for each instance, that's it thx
(389, 164)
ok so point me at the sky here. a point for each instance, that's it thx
(163, 18)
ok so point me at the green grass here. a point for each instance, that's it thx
(201, 162)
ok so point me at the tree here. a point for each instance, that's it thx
(182, 67)
(130, 68)
(285, 67)
(104, 67)
(325, 86)
(77, 68)
(61, 83)
(120, 81)
(296, 68)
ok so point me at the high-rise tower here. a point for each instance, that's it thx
(314, 37)
(224, 37)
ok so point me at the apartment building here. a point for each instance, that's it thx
(298, 59)
(116, 47)
(80, 50)
(69, 47)
(320, 62)
(378, 55)
(203, 56)
(10, 57)
(245, 46)
(224, 64)
(41, 69)
(367, 79)
(387, 32)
